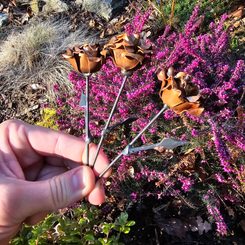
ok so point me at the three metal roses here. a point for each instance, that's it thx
(128, 53)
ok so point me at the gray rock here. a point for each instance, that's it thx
(3, 19)
(55, 6)
(105, 8)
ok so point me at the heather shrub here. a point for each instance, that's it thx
(209, 171)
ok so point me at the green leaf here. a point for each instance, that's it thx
(106, 228)
(130, 223)
(103, 241)
(89, 237)
(122, 219)
(82, 221)
(126, 230)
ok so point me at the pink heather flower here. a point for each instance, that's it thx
(186, 183)
(221, 148)
(194, 132)
(169, 115)
(134, 196)
(192, 24)
(220, 178)
(162, 54)
(137, 24)
(214, 212)
(230, 198)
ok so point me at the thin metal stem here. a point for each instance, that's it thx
(104, 131)
(87, 132)
(134, 139)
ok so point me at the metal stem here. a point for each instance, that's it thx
(134, 139)
(104, 131)
(87, 132)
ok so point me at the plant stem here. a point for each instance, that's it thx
(134, 139)
(104, 131)
(87, 132)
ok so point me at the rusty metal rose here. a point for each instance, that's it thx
(85, 58)
(127, 51)
(179, 93)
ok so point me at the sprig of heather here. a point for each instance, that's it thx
(235, 139)
(138, 22)
(212, 207)
(193, 24)
(221, 148)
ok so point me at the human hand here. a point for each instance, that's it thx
(41, 171)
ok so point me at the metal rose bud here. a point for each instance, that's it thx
(179, 93)
(85, 58)
(127, 51)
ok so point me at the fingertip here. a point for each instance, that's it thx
(101, 162)
(97, 195)
(84, 180)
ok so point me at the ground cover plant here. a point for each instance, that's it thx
(194, 192)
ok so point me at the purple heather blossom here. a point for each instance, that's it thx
(137, 24)
(186, 183)
(212, 205)
(169, 115)
(235, 139)
(220, 178)
(134, 196)
(238, 72)
(221, 148)
(194, 133)
(192, 24)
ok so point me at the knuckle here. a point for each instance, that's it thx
(59, 190)
(10, 122)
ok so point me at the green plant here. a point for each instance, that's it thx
(49, 118)
(177, 12)
(121, 225)
(84, 224)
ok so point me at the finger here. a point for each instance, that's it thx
(57, 192)
(101, 161)
(29, 143)
(97, 195)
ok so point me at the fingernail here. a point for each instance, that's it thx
(78, 180)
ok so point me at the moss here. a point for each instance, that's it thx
(49, 118)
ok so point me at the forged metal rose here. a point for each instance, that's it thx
(127, 51)
(179, 93)
(85, 58)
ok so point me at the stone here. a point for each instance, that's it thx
(55, 6)
(104, 8)
(3, 19)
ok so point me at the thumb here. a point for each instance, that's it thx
(57, 192)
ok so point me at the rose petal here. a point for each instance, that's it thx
(192, 108)
(171, 97)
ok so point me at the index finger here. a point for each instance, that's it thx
(30, 143)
